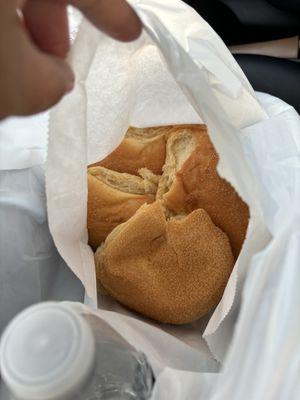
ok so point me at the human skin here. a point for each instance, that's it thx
(34, 41)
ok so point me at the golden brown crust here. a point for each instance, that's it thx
(173, 271)
(156, 259)
(198, 185)
(112, 199)
(141, 148)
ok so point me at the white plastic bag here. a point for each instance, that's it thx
(195, 80)
(31, 269)
(23, 142)
(263, 361)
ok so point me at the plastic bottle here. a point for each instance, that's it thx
(51, 352)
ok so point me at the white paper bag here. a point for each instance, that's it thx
(179, 71)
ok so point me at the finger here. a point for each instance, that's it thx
(114, 17)
(19, 3)
(41, 83)
(52, 79)
(47, 22)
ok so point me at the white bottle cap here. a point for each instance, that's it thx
(46, 352)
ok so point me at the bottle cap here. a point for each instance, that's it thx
(46, 352)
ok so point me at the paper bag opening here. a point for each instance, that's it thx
(178, 72)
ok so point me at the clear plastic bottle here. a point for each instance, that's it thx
(51, 352)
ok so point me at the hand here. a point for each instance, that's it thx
(33, 73)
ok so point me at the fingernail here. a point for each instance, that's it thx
(69, 78)
(66, 74)
(70, 86)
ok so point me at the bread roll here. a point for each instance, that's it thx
(113, 198)
(190, 181)
(140, 148)
(172, 270)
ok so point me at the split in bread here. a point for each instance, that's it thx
(113, 198)
(190, 180)
(140, 148)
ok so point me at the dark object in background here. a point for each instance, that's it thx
(289, 5)
(248, 21)
(276, 76)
